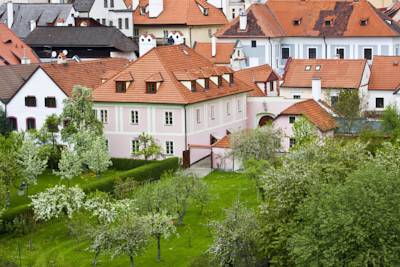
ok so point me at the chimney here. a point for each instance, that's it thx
(243, 20)
(146, 43)
(177, 36)
(61, 58)
(10, 14)
(213, 46)
(155, 8)
(33, 25)
(316, 88)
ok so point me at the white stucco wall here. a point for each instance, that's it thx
(388, 99)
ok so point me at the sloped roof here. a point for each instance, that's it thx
(85, 73)
(224, 142)
(184, 12)
(12, 77)
(43, 14)
(13, 49)
(83, 5)
(164, 61)
(276, 18)
(334, 73)
(102, 36)
(223, 54)
(314, 113)
(385, 73)
(392, 10)
(251, 76)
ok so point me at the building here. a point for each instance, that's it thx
(382, 3)
(81, 43)
(108, 13)
(273, 32)
(232, 8)
(384, 83)
(393, 11)
(197, 20)
(13, 50)
(175, 95)
(26, 17)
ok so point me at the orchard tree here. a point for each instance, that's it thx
(160, 225)
(52, 126)
(70, 165)
(235, 241)
(31, 161)
(5, 127)
(153, 197)
(97, 157)
(349, 107)
(148, 147)
(304, 131)
(391, 121)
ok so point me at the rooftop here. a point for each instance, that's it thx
(223, 54)
(385, 73)
(259, 74)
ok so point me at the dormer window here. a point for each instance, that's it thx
(30, 101)
(308, 68)
(207, 83)
(205, 12)
(219, 80)
(193, 86)
(296, 22)
(364, 22)
(151, 87)
(231, 78)
(328, 23)
(121, 86)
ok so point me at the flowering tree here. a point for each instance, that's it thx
(148, 147)
(304, 131)
(70, 165)
(96, 157)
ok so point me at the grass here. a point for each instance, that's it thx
(53, 247)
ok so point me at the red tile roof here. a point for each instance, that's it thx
(251, 76)
(223, 54)
(167, 61)
(314, 113)
(334, 73)
(13, 49)
(183, 12)
(385, 73)
(224, 142)
(86, 73)
(276, 18)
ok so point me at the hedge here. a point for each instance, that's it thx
(124, 164)
(151, 171)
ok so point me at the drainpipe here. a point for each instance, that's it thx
(186, 143)
(326, 48)
(270, 45)
(190, 36)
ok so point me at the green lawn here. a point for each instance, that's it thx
(53, 247)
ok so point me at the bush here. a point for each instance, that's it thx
(124, 164)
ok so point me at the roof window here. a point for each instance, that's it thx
(364, 22)
(296, 22)
(328, 23)
(308, 68)
(318, 67)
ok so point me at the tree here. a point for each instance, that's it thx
(51, 125)
(149, 149)
(5, 127)
(348, 106)
(78, 113)
(235, 241)
(153, 197)
(160, 225)
(70, 165)
(97, 157)
(259, 144)
(391, 121)
(31, 162)
(304, 131)
(354, 224)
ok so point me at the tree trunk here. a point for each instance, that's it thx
(96, 255)
(158, 247)
(132, 262)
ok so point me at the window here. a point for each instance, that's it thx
(107, 145)
(127, 23)
(212, 112)
(368, 53)
(30, 101)
(30, 123)
(285, 52)
(12, 121)
(253, 43)
(296, 96)
(135, 117)
(334, 100)
(111, 3)
(105, 3)
(379, 102)
(119, 23)
(209, 33)
(169, 147)
(233, 13)
(168, 118)
(340, 53)
(228, 108)
(151, 87)
(103, 21)
(110, 23)
(328, 23)
(50, 102)
(135, 146)
(219, 80)
(104, 116)
(120, 87)
(296, 22)
(207, 83)
(231, 80)
(318, 67)
(292, 142)
(312, 52)
(364, 22)
(193, 86)
(136, 31)
(165, 32)
(198, 116)
(239, 105)
(308, 67)
(292, 119)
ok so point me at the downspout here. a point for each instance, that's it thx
(270, 45)
(326, 48)
(190, 36)
(186, 143)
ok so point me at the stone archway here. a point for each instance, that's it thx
(264, 120)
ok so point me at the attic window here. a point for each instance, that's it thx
(296, 22)
(30, 101)
(151, 87)
(231, 78)
(207, 83)
(219, 80)
(193, 86)
(318, 67)
(205, 12)
(308, 68)
(364, 22)
(121, 86)
(328, 23)
(388, 21)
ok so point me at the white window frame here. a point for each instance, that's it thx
(294, 119)
(212, 112)
(228, 108)
(169, 148)
(198, 116)
(239, 105)
(103, 116)
(372, 53)
(168, 118)
(134, 117)
(344, 51)
(316, 52)
(135, 145)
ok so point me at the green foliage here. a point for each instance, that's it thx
(124, 164)
(97, 157)
(348, 107)
(391, 121)
(5, 127)
(70, 164)
(149, 149)
(304, 132)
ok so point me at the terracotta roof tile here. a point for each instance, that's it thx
(156, 77)
(223, 54)
(224, 142)
(186, 12)
(276, 18)
(385, 73)
(86, 73)
(13, 49)
(350, 72)
(167, 60)
(314, 113)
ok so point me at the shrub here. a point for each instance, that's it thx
(124, 164)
